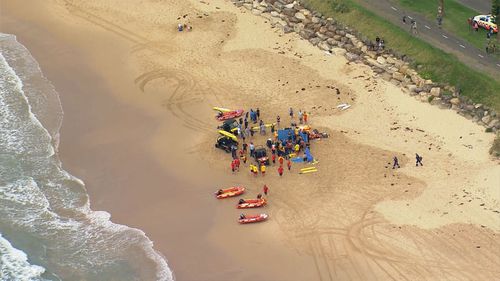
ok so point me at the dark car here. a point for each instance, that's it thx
(260, 155)
(230, 126)
(225, 143)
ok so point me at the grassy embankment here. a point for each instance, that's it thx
(454, 20)
(432, 62)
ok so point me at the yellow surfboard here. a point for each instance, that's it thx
(308, 171)
(221, 109)
(229, 135)
(309, 168)
(256, 128)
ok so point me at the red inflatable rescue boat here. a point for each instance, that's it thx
(229, 115)
(252, 219)
(229, 192)
(251, 203)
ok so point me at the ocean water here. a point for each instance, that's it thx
(47, 228)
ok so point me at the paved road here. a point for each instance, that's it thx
(430, 32)
(482, 6)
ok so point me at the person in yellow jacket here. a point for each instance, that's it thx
(255, 170)
(263, 169)
(297, 147)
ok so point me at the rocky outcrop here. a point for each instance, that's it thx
(334, 38)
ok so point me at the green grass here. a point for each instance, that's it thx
(454, 20)
(434, 64)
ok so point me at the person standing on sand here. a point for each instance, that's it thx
(252, 149)
(244, 145)
(280, 170)
(291, 112)
(305, 117)
(289, 164)
(233, 151)
(251, 168)
(419, 160)
(396, 163)
(273, 157)
(244, 158)
(237, 164)
(262, 129)
(258, 113)
(300, 116)
(263, 169)
(278, 119)
(280, 160)
(246, 125)
(233, 166)
(255, 170)
(265, 189)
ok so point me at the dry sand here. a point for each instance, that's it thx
(139, 131)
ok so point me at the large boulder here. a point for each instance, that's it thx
(381, 60)
(300, 16)
(315, 41)
(436, 91)
(398, 76)
(339, 51)
(455, 101)
(351, 56)
(306, 34)
(324, 46)
(486, 119)
(248, 6)
(412, 88)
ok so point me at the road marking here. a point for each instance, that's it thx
(394, 8)
(462, 46)
(481, 56)
(427, 27)
(445, 36)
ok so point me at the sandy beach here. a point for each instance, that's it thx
(139, 130)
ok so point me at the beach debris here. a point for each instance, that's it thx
(343, 106)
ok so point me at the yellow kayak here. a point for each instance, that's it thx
(229, 135)
(221, 109)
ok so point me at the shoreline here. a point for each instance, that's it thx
(151, 186)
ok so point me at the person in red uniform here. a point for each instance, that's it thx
(280, 159)
(273, 157)
(280, 170)
(233, 166)
(237, 164)
(289, 164)
(266, 189)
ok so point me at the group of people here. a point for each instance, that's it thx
(418, 159)
(182, 27)
(302, 115)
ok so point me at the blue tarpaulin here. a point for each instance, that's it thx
(309, 157)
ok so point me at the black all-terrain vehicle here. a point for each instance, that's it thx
(260, 155)
(230, 126)
(225, 143)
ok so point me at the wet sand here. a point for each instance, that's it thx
(139, 131)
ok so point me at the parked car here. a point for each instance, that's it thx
(487, 22)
